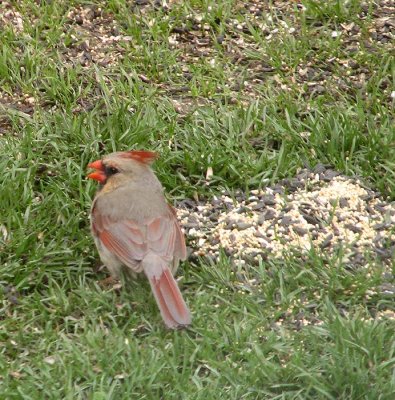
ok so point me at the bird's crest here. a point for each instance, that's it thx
(143, 156)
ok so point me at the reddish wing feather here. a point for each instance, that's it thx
(130, 242)
(116, 247)
(180, 248)
(156, 229)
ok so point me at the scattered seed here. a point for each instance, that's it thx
(268, 223)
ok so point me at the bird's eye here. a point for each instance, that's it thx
(111, 171)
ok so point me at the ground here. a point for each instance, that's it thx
(249, 104)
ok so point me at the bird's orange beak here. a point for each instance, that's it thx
(99, 174)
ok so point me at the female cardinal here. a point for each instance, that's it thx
(134, 227)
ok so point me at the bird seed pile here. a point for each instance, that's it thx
(317, 209)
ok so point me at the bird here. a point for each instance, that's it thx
(135, 229)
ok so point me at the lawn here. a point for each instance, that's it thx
(253, 91)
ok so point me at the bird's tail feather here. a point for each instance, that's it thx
(173, 309)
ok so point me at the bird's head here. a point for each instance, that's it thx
(129, 163)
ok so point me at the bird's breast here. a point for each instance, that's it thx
(132, 203)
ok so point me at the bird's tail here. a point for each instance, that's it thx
(173, 309)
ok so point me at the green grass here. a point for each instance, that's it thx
(280, 330)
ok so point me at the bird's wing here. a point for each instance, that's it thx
(131, 241)
(180, 249)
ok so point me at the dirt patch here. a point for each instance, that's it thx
(236, 51)
(92, 36)
(10, 18)
(232, 45)
(12, 106)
